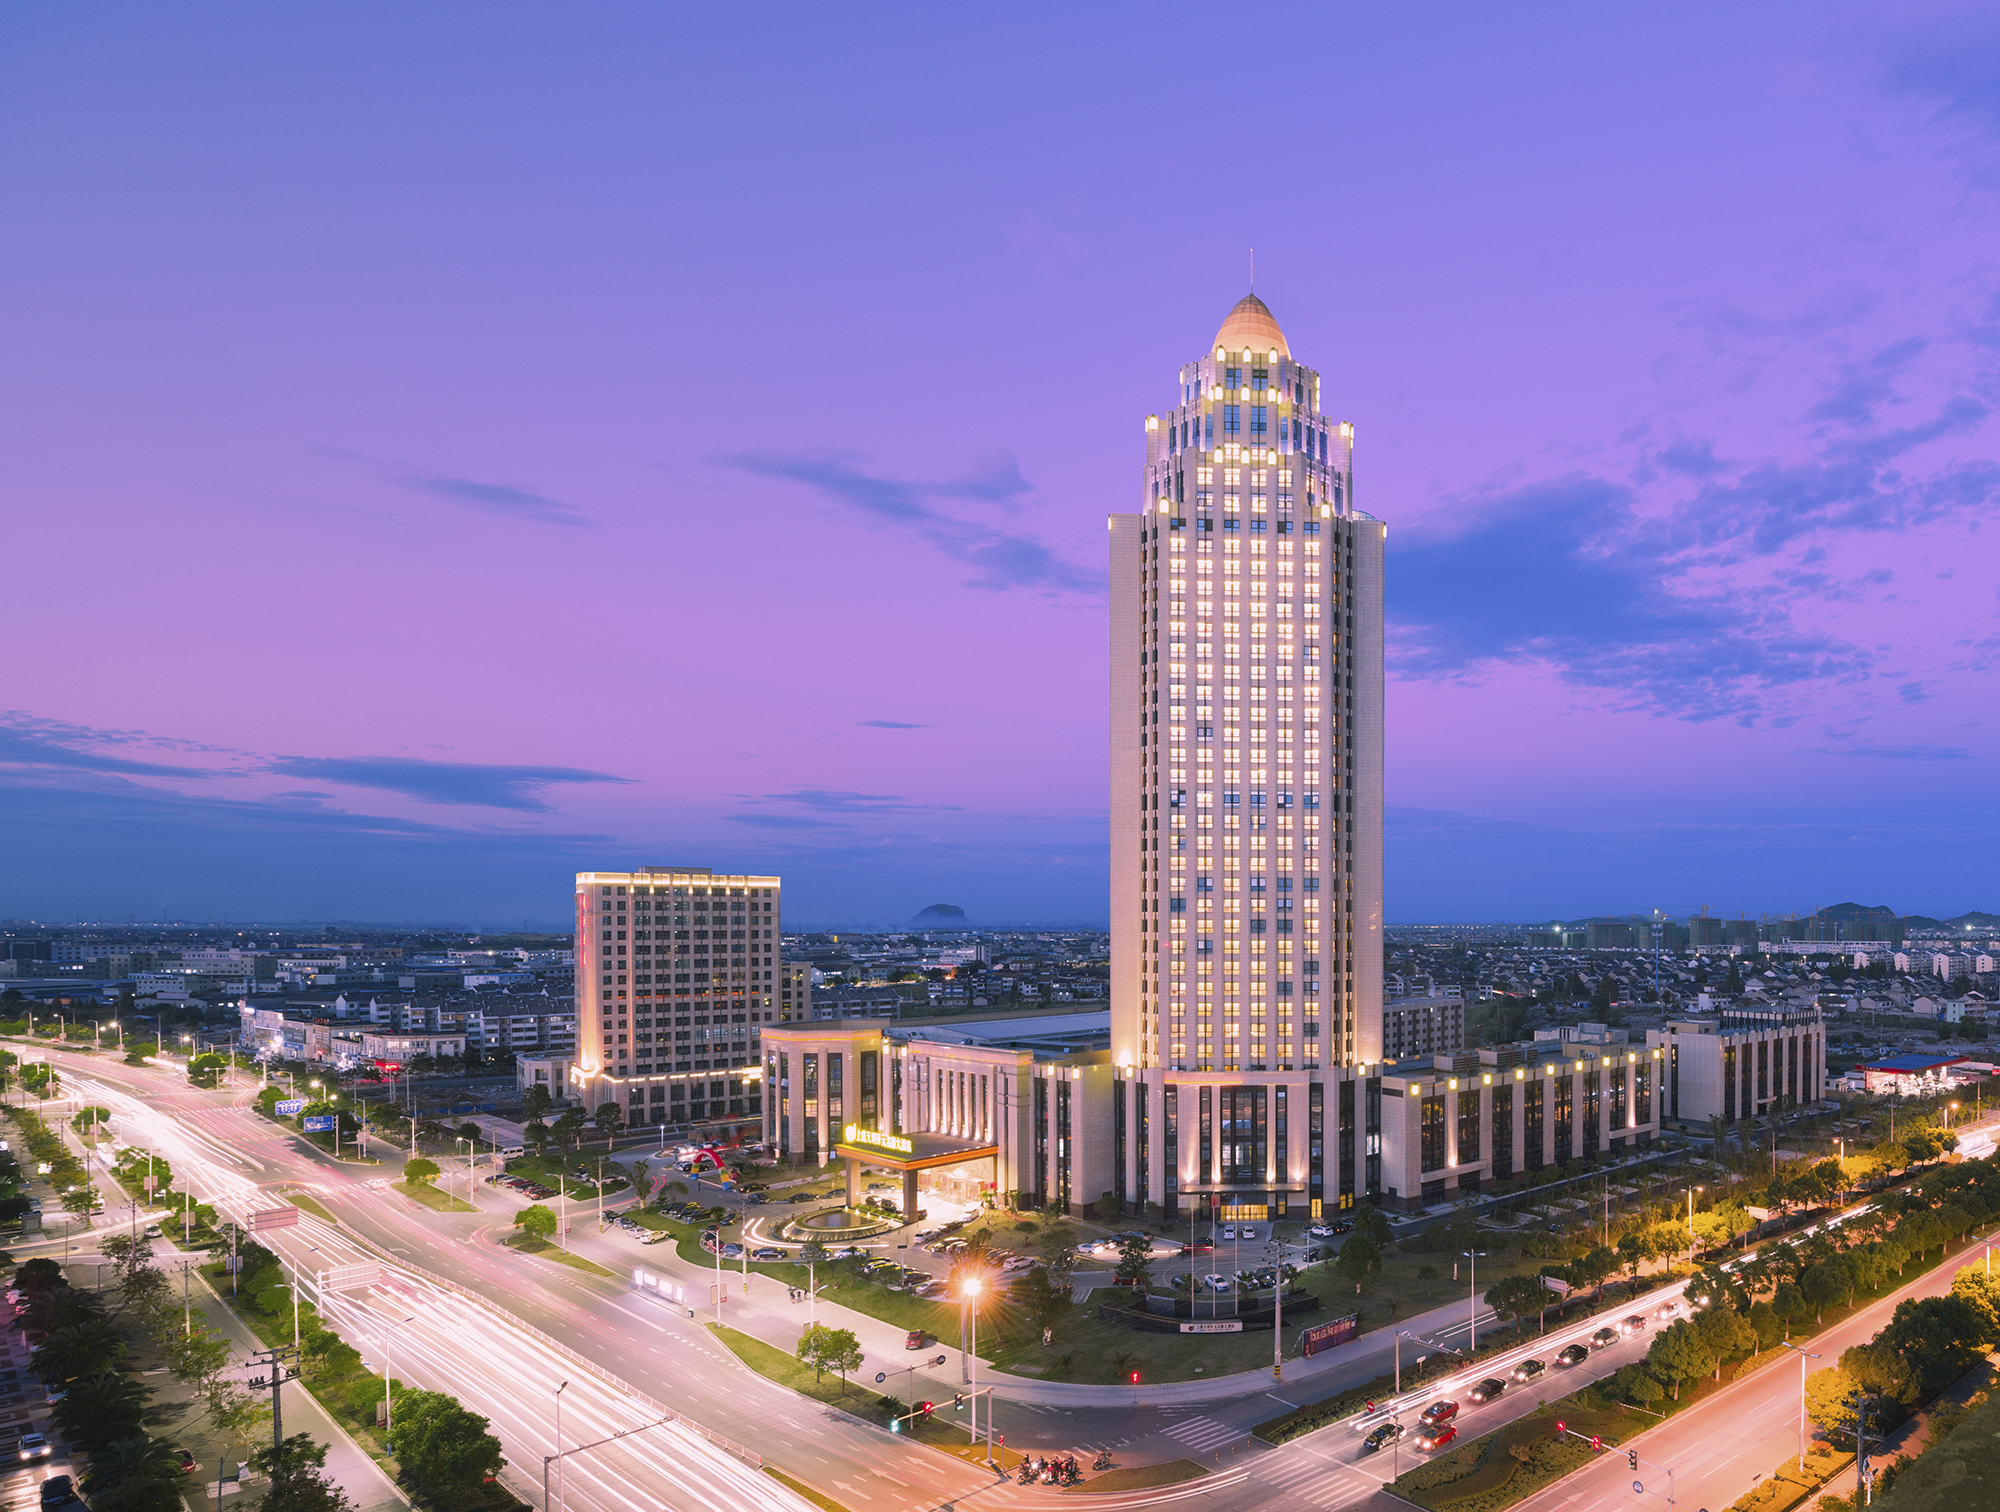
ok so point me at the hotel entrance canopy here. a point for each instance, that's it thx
(905, 1154)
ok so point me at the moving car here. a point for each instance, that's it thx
(1572, 1354)
(58, 1491)
(1527, 1370)
(1634, 1324)
(1388, 1433)
(1487, 1389)
(1602, 1337)
(1671, 1308)
(1430, 1439)
(916, 1339)
(1438, 1412)
(767, 1252)
(185, 1460)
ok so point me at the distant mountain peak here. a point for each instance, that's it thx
(940, 914)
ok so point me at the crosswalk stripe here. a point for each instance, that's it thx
(1202, 1433)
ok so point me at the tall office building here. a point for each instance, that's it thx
(676, 971)
(1246, 784)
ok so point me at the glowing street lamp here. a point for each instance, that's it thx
(969, 1289)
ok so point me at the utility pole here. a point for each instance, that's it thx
(282, 1363)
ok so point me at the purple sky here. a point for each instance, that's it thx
(443, 448)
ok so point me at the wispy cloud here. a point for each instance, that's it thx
(1891, 752)
(29, 741)
(446, 782)
(499, 499)
(999, 559)
(890, 724)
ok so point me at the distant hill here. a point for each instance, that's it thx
(941, 916)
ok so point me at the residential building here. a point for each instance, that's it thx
(1433, 1024)
(795, 990)
(676, 975)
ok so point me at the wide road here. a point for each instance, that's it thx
(436, 1337)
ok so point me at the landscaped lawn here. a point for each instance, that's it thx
(432, 1197)
(547, 1168)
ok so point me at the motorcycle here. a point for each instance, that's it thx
(1103, 1460)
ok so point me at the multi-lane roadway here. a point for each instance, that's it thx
(448, 1308)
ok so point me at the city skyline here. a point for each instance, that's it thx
(332, 434)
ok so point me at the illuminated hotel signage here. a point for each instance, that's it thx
(854, 1134)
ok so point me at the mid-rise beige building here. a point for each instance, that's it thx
(675, 979)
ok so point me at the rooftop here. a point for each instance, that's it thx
(1251, 324)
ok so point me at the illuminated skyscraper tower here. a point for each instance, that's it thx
(1246, 785)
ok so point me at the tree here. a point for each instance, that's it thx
(41, 1079)
(569, 1129)
(206, 1070)
(79, 1350)
(441, 1444)
(1046, 1302)
(1635, 1250)
(1678, 1353)
(1790, 1304)
(420, 1169)
(134, 1473)
(538, 1134)
(1825, 1283)
(1373, 1222)
(834, 1349)
(1594, 1268)
(88, 1119)
(1517, 1296)
(537, 1102)
(1770, 1328)
(297, 1481)
(1359, 1260)
(196, 1356)
(1939, 1338)
(41, 1274)
(101, 1407)
(1428, 1274)
(813, 1253)
(536, 1221)
(1055, 1247)
(1725, 1332)
(609, 1118)
(1135, 1260)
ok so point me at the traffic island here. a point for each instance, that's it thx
(1138, 1478)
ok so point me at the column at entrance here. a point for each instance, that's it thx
(853, 1182)
(909, 1196)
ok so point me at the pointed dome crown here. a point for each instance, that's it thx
(1251, 324)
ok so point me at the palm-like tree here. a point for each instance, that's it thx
(134, 1472)
(78, 1350)
(102, 1407)
(60, 1307)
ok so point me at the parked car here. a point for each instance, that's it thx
(767, 1252)
(1602, 1337)
(849, 1252)
(1487, 1389)
(1438, 1412)
(917, 1339)
(185, 1460)
(1217, 1283)
(1247, 1233)
(732, 1251)
(1632, 1325)
(1228, 1232)
(1527, 1370)
(1388, 1433)
(1573, 1354)
(1432, 1439)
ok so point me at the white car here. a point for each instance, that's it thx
(1218, 1283)
(1247, 1233)
(1228, 1231)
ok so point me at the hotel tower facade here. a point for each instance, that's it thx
(1246, 786)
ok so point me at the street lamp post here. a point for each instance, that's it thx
(469, 1156)
(1277, 1309)
(558, 1454)
(971, 1288)
(1803, 1355)
(1691, 1191)
(1472, 1305)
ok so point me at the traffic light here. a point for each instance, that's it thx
(958, 1401)
(1560, 1427)
(925, 1409)
(1596, 1444)
(895, 1425)
(1133, 1378)
(1632, 1458)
